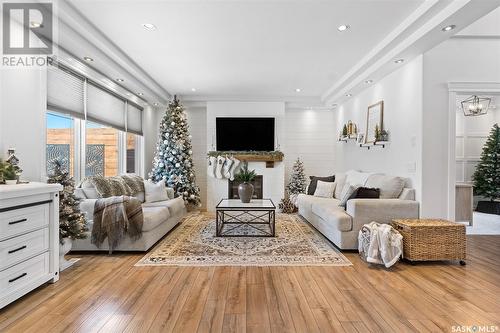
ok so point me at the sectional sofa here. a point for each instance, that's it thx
(341, 225)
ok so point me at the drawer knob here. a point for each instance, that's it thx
(18, 249)
(17, 278)
(18, 221)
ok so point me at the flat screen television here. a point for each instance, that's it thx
(245, 134)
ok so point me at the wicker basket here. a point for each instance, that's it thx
(430, 239)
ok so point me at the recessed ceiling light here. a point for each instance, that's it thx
(193, 89)
(140, 94)
(149, 26)
(35, 24)
(449, 27)
(348, 95)
(368, 81)
(298, 90)
(89, 59)
(399, 61)
(128, 94)
(156, 104)
(343, 27)
(119, 80)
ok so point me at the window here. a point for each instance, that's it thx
(131, 142)
(101, 150)
(60, 142)
(91, 129)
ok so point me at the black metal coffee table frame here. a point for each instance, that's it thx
(232, 218)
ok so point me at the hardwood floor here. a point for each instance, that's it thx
(104, 293)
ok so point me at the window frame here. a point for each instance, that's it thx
(79, 137)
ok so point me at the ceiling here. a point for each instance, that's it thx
(249, 48)
(254, 49)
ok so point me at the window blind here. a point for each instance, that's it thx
(65, 92)
(134, 119)
(105, 108)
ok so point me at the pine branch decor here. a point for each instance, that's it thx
(72, 223)
(173, 160)
(487, 175)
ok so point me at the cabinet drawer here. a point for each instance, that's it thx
(19, 221)
(19, 276)
(17, 249)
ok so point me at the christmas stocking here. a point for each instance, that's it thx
(211, 166)
(227, 167)
(218, 168)
(236, 163)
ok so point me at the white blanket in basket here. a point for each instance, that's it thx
(386, 244)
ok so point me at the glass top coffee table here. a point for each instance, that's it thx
(237, 219)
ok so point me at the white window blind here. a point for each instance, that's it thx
(134, 119)
(65, 92)
(105, 108)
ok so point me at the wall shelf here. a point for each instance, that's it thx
(374, 144)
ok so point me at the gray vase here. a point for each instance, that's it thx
(245, 191)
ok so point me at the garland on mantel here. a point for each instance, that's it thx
(274, 154)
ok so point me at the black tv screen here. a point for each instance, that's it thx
(244, 134)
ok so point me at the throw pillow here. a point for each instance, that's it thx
(101, 185)
(119, 186)
(368, 193)
(348, 192)
(324, 189)
(155, 192)
(314, 180)
(136, 183)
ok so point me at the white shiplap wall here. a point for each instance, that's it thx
(197, 121)
(310, 135)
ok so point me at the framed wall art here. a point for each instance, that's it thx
(374, 121)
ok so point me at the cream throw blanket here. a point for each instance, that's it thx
(114, 217)
(386, 244)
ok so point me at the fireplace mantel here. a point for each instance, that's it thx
(268, 157)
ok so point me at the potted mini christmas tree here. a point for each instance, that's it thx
(72, 224)
(487, 175)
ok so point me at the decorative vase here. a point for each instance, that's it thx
(245, 191)
(11, 181)
(64, 248)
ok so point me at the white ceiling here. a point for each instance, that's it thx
(246, 48)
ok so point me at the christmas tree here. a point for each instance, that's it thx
(487, 175)
(297, 183)
(72, 222)
(174, 155)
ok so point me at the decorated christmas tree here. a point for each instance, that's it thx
(72, 222)
(174, 155)
(487, 175)
(297, 183)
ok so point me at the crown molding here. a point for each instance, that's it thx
(474, 87)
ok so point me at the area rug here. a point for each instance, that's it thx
(193, 243)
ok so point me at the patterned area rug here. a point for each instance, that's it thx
(193, 243)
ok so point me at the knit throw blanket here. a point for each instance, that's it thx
(114, 217)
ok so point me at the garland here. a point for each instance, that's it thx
(275, 154)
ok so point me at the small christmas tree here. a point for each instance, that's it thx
(72, 222)
(173, 161)
(487, 175)
(297, 183)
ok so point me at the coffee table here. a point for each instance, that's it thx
(256, 218)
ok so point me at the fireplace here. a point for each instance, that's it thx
(232, 188)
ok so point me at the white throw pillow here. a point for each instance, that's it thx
(347, 192)
(324, 189)
(155, 192)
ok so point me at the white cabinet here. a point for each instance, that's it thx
(29, 238)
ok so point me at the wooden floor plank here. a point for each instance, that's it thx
(107, 293)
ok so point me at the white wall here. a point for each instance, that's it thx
(310, 135)
(401, 92)
(274, 178)
(455, 60)
(22, 126)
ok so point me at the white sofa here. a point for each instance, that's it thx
(159, 218)
(341, 226)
